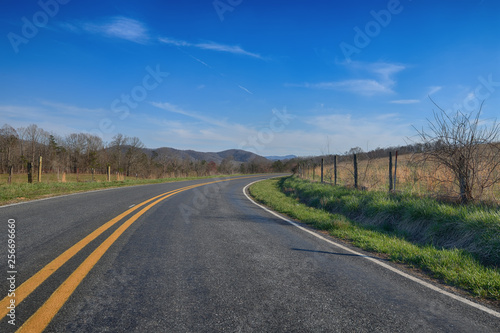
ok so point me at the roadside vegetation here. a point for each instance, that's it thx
(23, 191)
(456, 159)
(459, 245)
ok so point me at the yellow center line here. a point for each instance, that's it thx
(25, 289)
(42, 317)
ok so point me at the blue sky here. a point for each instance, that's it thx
(272, 77)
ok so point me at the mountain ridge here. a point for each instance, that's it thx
(235, 155)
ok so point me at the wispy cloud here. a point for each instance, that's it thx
(433, 90)
(175, 42)
(405, 101)
(54, 117)
(362, 87)
(17, 112)
(212, 46)
(226, 48)
(245, 89)
(364, 132)
(383, 69)
(72, 110)
(112, 27)
(381, 82)
(203, 133)
(126, 28)
(342, 129)
(176, 109)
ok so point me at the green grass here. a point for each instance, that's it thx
(18, 192)
(345, 213)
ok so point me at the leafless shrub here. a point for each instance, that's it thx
(467, 147)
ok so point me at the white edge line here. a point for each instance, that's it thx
(410, 277)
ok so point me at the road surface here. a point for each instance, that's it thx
(198, 257)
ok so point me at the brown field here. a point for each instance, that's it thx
(373, 174)
(61, 178)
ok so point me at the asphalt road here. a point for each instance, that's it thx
(203, 259)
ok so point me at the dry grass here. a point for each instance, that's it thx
(373, 174)
(49, 178)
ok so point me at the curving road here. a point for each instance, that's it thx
(199, 257)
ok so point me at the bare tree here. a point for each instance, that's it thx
(8, 142)
(94, 147)
(467, 146)
(134, 155)
(76, 145)
(117, 146)
(33, 134)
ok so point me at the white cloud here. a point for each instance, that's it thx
(381, 82)
(176, 109)
(174, 42)
(362, 87)
(212, 46)
(387, 116)
(405, 101)
(304, 136)
(245, 89)
(72, 110)
(126, 28)
(112, 27)
(433, 90)
(226, 48)
(53, 117)
(346, 131)
(20, 112)
(383, 69)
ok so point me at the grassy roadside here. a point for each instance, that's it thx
(24, 191)
(321, 207)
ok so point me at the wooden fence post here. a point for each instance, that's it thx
(30, 173)
(395, 170)
(355, 171)
(390, 171)
(40, 169)
(108, 173)
(322, 162)
(10, 174)
(335, 169)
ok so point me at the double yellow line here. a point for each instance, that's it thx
(43, 316)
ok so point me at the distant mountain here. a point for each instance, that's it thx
(236, 156)
(282, 158)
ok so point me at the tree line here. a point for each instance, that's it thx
(84, 153)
